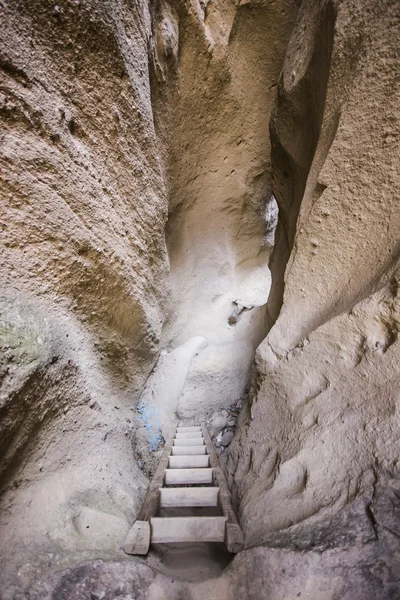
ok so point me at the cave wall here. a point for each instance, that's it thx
(114, 117)
(214, 79)
(124, 124)
(83, 268)
(315, 463)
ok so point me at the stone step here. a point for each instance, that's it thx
(188, 476)
(188, 462)
(200, 496)
(188, 435)
(187, 529)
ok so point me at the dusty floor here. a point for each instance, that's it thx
(189, 562)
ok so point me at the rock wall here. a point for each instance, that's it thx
(316, 461)
(87, 186)
(83, 271)
(216, 68)
(143, 151)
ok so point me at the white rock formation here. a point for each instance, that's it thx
(159, 400)
(217, 377)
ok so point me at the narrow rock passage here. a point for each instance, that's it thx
(212, 93)
(148, 151)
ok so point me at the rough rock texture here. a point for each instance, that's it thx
(217, 377)
(139, 137)
(317, 455)
(160, 399)
(213, 103)
(83, 266)
(257, 574)
(84, 262)
(212, 93)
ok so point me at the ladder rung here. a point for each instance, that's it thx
(188, 434)
(188, 476)
(199, 496)
(189, 442)
(188, 462)
(188, 450)
(185, 429)
(187, 529)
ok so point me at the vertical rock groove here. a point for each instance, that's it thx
(295, 128)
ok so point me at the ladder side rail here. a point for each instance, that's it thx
(234, 539)
(152, 499)
(138, 538)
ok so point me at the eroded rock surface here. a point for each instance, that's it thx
(213, 116)
(217, 377)
(144, 150)
(83, 267)
(326, 403)
(260, 573)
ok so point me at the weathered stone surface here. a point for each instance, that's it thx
(218, 421)
(159, 400)
(213, 118)
(227, 437)
(83, 267)
(217, 377)
(328, 371)
(256, 574)
(115, 116)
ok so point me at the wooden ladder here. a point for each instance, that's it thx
(189, 459)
